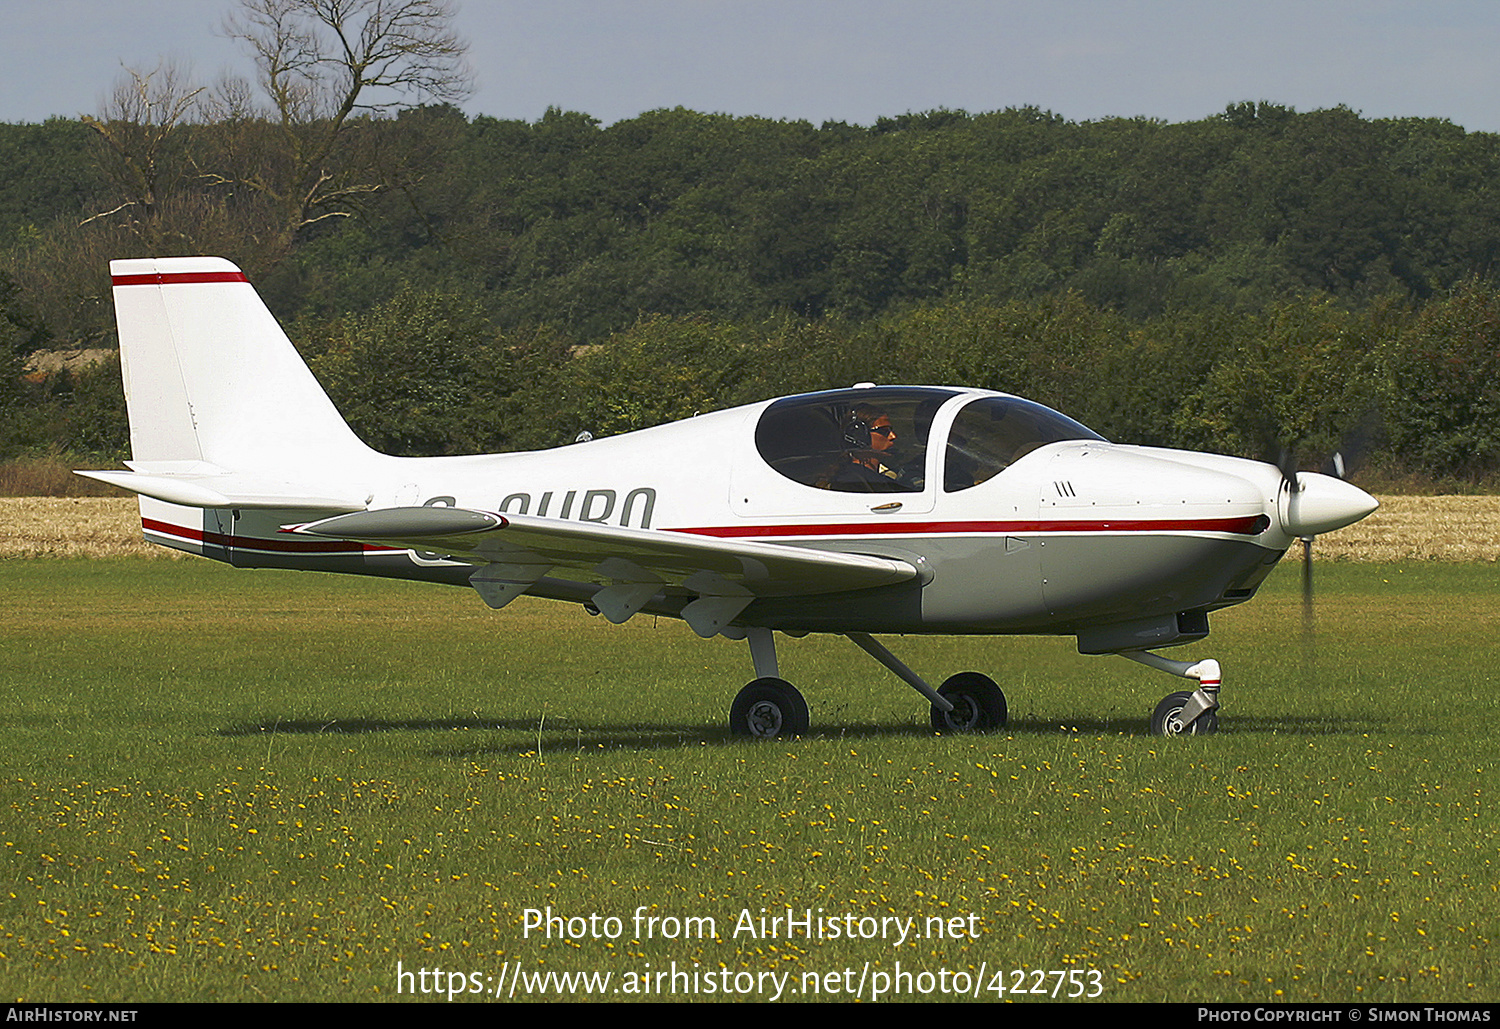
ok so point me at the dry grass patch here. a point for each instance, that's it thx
(1420, 529)
(73, 527)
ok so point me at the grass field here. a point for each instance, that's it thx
(222, 785)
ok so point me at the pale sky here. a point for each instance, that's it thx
(850, 60)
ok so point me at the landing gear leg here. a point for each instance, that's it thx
(967, 702)
(768, 707)
(1184, 713)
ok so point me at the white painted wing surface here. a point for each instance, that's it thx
(600, 551)
(632, 566)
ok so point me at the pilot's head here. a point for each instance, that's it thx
(870, 428)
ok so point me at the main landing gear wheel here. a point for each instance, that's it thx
(1166, 720)
(768, 709)
(978, 704)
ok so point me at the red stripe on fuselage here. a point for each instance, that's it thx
(1241, 526)
(178, 278)
(220, 539)
(1244, 526)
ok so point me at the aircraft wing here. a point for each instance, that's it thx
(633, 566)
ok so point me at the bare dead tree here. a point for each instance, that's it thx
(324, 64)
(245, 168)
(138, 125)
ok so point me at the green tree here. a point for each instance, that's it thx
(1301, 378)
(658, 370)
(422, 374)
(1443, 405)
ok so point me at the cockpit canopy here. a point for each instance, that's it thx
(992, 433)
(877, 440)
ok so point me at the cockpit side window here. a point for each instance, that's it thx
(856, 441)
(991, 434)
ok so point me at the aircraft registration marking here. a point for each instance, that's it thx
(597, 505)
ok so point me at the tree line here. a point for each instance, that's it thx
(1256, 280)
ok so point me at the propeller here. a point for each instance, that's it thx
(1306, 516)
(1308, 624)
(1291, 485)
(1309, 503)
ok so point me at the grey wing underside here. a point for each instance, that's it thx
(717, 578)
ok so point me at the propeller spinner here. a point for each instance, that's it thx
(1312, 504)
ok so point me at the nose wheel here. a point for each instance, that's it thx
(1172, 717)
(1184, 713)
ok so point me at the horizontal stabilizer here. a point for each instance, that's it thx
(227, 490)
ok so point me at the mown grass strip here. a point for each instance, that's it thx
(272, 786)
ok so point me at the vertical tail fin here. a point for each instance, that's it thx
(211, 377)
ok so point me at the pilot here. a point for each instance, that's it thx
(868, 437)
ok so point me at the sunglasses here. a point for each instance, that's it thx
(882, 430)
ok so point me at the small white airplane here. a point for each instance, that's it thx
(874, 509)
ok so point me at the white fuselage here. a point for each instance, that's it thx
(1075, 532)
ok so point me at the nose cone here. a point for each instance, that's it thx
(1321, 503)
